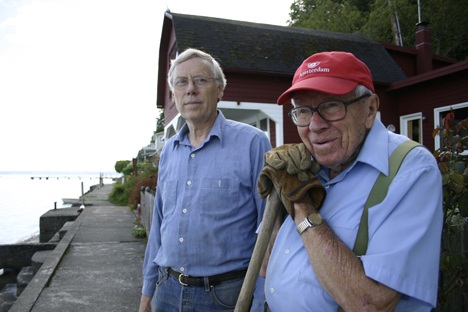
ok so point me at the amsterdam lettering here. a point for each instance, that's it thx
(315, 70)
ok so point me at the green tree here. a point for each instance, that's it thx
(332, 15)
(390, 21)
(447, 20)
(120, 165)
(160, 122)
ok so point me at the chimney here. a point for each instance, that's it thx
(423, 48)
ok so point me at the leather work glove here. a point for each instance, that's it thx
(288, 169)
(294, 157)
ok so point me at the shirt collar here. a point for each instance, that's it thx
(215, 132)
(374, 151)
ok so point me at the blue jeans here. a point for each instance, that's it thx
(171, 296)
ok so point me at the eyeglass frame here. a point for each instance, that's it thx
(194, 81)
(317, 110)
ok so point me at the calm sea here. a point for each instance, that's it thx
(25, 196)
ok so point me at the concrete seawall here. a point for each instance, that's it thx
(95, 265)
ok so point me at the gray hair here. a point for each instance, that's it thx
(193, 53)
(361, 90)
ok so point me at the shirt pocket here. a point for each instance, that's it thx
(169, 197)
(219, 198)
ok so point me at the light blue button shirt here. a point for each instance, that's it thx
(207, 207)
(404, 231)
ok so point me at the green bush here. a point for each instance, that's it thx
(139, 231)
(120, 165)
(453, 165)
(128, 193)
(119, 195)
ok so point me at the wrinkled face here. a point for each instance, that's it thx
(196, 103)
(333, 144)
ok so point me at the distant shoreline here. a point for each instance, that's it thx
(47, 172)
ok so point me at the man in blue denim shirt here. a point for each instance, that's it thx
(206, 208)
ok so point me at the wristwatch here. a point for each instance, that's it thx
(312, 220)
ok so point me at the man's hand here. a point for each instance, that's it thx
(145, 304)
(288, 169)
(295, 158)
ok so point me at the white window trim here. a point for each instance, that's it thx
(274, 112)
(437, 121)
(404, 124)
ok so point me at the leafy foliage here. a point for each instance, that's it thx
(160, 122)
(390, 21)
(139, 231)
(128, 192)
(120, 165)
(147, 179)
(453, 165)
(119, 194)
(340, 16)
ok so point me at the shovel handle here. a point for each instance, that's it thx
(269, 218)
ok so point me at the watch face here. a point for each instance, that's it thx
(315, 218)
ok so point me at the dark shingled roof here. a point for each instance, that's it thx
(258, 47)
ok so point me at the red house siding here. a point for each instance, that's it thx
(424, 97)
(444, 85)
(257, 88)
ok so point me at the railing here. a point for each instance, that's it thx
(147, 206)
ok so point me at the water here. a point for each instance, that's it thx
(23, 200)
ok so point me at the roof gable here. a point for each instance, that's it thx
(258, 47)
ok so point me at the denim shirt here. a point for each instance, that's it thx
(207, 208)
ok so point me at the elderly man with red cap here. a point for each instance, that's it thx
(314, 263)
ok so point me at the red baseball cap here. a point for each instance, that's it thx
(329, 72)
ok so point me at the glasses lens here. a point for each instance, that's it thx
(301, 116)
(331, 111)
(181, 82)
(200, 81)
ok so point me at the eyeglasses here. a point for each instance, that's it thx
(329, 111)
(181, 83)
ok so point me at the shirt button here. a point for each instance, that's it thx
(181, 239)
(189, 182)
(192, 155)
(184, 210)
(286, 251)
(272, 290)
(182, 269)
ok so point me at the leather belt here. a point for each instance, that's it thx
(187, 280)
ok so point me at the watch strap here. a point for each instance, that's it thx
(304, 225)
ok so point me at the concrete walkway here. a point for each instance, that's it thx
(95, 267)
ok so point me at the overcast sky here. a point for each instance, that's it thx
(78, 77)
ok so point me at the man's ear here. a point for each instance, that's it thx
(374, 104)
(220, 94)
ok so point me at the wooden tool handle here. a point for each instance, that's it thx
(269, 218)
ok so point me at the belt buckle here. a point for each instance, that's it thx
(180, 279)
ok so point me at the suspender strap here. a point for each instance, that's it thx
(378, 194)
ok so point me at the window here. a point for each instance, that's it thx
(411, 126)
(461, 112)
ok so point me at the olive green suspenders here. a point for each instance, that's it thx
(378, 193)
